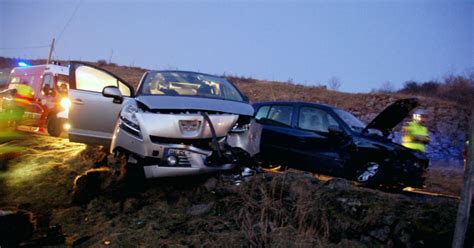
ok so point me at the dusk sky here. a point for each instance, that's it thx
(363, 43)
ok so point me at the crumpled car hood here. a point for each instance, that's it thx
(196, 103)
(392, 115)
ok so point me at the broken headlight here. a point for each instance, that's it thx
(242, 125)
(129, 118)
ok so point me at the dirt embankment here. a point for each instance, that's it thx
(290, 209)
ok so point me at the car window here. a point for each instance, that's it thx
(124, 89)
(91, 79)
(262, 112)
(280, 115)
(314, 119)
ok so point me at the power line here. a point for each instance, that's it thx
(70, 19)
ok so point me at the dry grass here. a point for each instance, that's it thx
(446, 178)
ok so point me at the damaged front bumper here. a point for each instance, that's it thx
(407, 173)
(183, 155)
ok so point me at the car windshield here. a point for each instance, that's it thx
(353, 122)
(189, 84)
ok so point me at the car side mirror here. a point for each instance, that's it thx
(335, 130)
(113, 92)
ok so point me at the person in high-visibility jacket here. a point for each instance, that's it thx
(415, 134)
(22, 100)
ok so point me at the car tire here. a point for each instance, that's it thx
(369, 174)
(260, 163)
(54, 126)
(131, 174)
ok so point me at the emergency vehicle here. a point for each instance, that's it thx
(48, 102)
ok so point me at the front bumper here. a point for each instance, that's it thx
(408, 173)
(153, 155)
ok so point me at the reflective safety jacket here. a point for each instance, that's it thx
(416, 136)
(24, 95)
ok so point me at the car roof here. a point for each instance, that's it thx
(294, 103)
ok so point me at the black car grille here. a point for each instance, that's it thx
(199, 143)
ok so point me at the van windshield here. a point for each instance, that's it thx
(62, 83)
(171, 83)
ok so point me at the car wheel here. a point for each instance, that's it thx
(130, 173)
(260, 163)
(369, 173)
(54, 126)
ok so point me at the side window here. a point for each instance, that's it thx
(48, 80)
(91, 79)
(280, 115)
(313, 119)
(124, 89)
(262, 112)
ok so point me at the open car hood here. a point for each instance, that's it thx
(392, 115)
(195, 103)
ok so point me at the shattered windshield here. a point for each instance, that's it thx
(189, 84)
(353, 122)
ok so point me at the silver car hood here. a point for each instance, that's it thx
(196, 103)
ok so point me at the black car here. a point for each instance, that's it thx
(329, 140)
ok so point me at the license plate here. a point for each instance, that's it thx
(175, 152)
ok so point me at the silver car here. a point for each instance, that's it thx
(176, 123)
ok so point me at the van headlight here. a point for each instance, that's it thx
(65, 103)
(128, 116)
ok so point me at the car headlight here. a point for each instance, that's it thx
(240, 128)
(242, 125)
(128, 115)
(65, 103)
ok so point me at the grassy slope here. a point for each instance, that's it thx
(267, 210)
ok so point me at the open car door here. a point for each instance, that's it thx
(93, 116)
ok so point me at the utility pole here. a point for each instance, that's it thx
(462, 219)
(111, 54)
(50, 52)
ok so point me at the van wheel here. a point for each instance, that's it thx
(369, 174)
(55, 126)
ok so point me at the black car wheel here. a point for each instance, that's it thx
(369, 173)
(54, 126)
(131, 174)
(259, 163)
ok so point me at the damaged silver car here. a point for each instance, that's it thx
(177, 123)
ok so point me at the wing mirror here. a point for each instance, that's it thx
(336, 130)
(113, 92)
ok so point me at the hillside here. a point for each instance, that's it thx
(447, 121)
(269, 209)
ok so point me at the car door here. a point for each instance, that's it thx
(277, 129)
(314, 147)
(93, 116)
